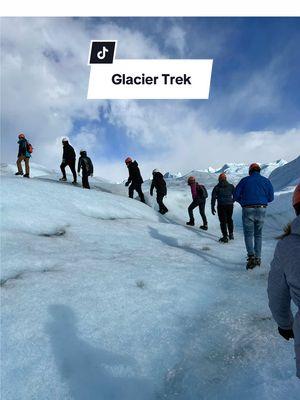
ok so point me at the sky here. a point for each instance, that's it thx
(252, 114)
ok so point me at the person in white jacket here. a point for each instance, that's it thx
(284, 281)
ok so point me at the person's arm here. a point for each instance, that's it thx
(79, 165)
(237, 194)
(91, 167)
(152, 187)
(129, 177)
(213, 200)
(279, 293)
(270, 192)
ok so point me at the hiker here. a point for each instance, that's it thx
(135, 179)
(159, 184)
(253, 192)
(223, 193)
(85, 164)
(24, 154)
(68, 159)
(284, 281)
(199, 195)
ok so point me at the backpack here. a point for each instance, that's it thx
(202, 191)
(29, 147)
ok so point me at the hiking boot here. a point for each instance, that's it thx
(19, 173)
(257, 261)
(191, 223)
(250, 262)
(26, 176)
(74, 183)
(63, 179)
(231, 237)
(204, 227)
(223, 239)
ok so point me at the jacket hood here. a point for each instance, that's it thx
(295, 226)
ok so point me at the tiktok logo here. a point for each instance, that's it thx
(102, 52)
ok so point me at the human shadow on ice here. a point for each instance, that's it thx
(87, 369)
(173, 242)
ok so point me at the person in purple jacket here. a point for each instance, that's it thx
(254, 192)
(199, 195)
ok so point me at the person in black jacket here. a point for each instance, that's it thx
(68, 159)
(223, 193)
(199, 195)
(135, 179)
(86, 165)
(159, 184)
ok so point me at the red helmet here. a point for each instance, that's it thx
(254, 167)
(191, 180)
(128, 160)
(222, 177)
(296, 195)
(21, 136)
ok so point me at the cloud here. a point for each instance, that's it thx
(175, 39)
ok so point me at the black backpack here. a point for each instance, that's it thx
(201, 189)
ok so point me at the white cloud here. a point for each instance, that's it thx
(175, 39)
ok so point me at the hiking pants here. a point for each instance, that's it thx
(138, 188)
(159, 199)
(70, 164)
(194, 204)
(19, 164)
(85, 181)
(225, 212)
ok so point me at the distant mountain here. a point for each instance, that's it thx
(172, 175)
(286, 175)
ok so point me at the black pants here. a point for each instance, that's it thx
(85, 180)
(194, 204)
(70, 164)
(225, 212)
(159, 199)
(136, 187)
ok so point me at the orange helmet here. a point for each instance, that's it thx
(128, 160)
(254, 167)
(222, 177)
(191, 180)
(21, 136)
(296, 195)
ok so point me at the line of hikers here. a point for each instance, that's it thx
(253, 193)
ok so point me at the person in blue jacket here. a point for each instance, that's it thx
(254, 192)
(23, 155)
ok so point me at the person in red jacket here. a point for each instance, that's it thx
(199, 195)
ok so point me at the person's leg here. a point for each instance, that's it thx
(202, 212)
(258, 226)
(27, 169)
(191, 207)
(85, 181)
(73, 169)
(159, 199)
(63, 169)
(130, 191)
(229, 220)
(222, 218)
(138, 188)
(19, 164)
(248, 227)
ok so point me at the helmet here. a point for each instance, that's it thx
(191, 180)
(82, 151)
(21, 136)
(65, 139)
(296, 195)
(128, 160)
(155, 171)
(254, 167)
(222, 177)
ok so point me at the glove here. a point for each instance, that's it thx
(127, 184)
(213, 211)
(286, 333)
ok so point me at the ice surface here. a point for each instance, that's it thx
(102, 298)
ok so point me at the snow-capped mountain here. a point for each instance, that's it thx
(286, 175)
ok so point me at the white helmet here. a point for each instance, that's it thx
(65, 139)
(155, 171)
